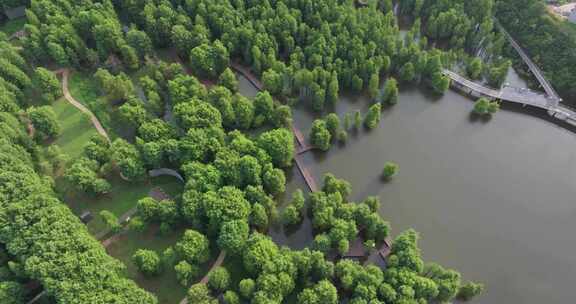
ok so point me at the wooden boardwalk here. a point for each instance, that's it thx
(304, 150)
(299, 137)
(308, 178)
(248, 74)
(310, 181)
(386, 248)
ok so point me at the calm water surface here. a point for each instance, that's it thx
(492, 199)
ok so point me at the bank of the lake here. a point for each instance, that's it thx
(491, 199)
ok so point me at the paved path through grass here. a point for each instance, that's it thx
(204, 280)
(65, 73)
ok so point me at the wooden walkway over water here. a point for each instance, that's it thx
(300, 139)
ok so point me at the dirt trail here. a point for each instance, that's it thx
(204, 280)
(65, 73)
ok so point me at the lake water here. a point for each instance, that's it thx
(493, 199)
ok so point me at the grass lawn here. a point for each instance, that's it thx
(76, 128)
(13, 26)
(123, 197)
(165, 286)
(83, 87)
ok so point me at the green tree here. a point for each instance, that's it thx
(408, 72)
(484, 106)
(333, 89)
(279, 144)
(48, 84)
(357, 120)
(186, 273)
(390, 170)
(12, 292)
(373, 116)
(139, 41)
(333, 124)
(219, 279)
(282, 117)
(44, 121)
(200, 294)
(128, 159)
(440, 83)
(264, 108)
(244, 110)
(246, 288)
(373, 85)
(250, 170)
(318, 96)
(387, 292)
(129, 57)
(228, 80)
(291, 215)
(259, 217)
(233, 236)
(357, 83)
(322, 243)
(227, 204)
(343, 246)
(481, 106)
(147, 261)
(493, 107)
(497, 73)
(83, 175)
(182, 39)
(197, 114)
(474, 68)
(320, 135)
(230, 297)
(117, 88)
(347, 121)
(469, 291)
(209, 59)
(193, 247)
(390, 93)
(272, 81)
(111, 221)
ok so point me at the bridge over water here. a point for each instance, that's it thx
(549, 101)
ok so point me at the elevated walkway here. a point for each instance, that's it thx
(550, 101)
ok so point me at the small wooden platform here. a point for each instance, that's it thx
(385, 249)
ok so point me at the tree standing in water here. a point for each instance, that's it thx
(390, 170)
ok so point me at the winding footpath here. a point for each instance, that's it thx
(204, 280)
(65, 75)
